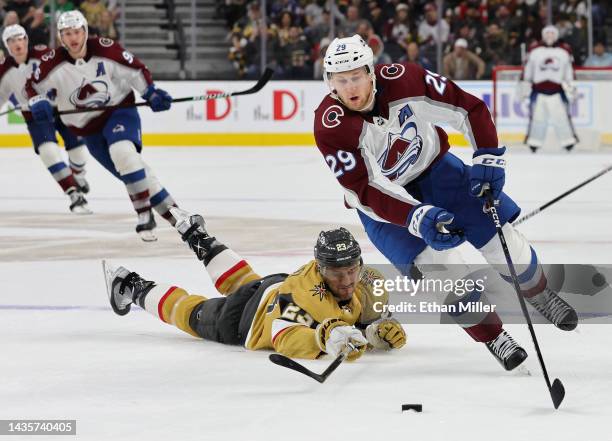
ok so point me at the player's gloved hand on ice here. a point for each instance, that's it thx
(386, 334)
(335, 336)
(488, 172)
(429, 222)
(158, 99)
(41, 108)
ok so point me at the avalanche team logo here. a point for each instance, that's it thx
(402, 150)
(392, 71)
(90, 95)
(550, 63)
(331, 116)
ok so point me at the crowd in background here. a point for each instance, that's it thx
(35, 16)
(476, 35)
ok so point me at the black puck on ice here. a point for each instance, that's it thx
(415, 407)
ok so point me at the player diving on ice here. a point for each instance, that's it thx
(326, 306)
(98, 72)
(417, 202)
(14, 71)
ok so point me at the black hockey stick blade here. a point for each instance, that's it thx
(263, 80)
(557, 392)
(287, 362)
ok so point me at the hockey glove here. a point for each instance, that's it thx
(428, 223)
(488, 172)
(158, 99)
(41, 108)
(386, 334)
(335, 337)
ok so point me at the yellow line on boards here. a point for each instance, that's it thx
(250, 139)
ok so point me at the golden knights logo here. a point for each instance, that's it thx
(403, 149)
(319, 290)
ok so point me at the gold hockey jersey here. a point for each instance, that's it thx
(289, 311)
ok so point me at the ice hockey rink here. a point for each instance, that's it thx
(66, 355)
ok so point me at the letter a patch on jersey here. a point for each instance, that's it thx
(101, 71)
(404, 113)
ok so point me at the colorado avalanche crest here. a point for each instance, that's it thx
(401, 152)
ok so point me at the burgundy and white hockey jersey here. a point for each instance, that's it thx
(548, 67)
(13, 77)
(105, 77)
(375, 155)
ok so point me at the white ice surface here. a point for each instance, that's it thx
(134, 378)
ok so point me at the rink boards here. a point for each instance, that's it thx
(282, 115)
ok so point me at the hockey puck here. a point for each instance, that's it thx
(415, 407)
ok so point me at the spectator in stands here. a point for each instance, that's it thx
(10, 18)
(238, 55)
(282, 30)
(37, 29)
(470, 35)
(315, 30)
(399, 31)
(600, 57)
(365, 30)
(376, 17)
(495, 46)
(577, 7)
(107, 26)
(350, 23)
(24, 8)
(93, 11)
(428, 29)
(295, 61)
(463, 64)
(413, 55)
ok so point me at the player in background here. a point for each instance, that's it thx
(417, 201)
(14, 71)
(547, 81)
(96, 72)
(323, 307)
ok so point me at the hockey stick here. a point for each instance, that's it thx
(287, 362)
(561, 196)
(12, 109)
(263, 80)
(557, 391)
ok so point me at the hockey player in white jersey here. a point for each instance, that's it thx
(14, 71)
(97, 72)
(417, 202)
(547, 82)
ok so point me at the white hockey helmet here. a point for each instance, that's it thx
(550, 34)
(71, 20)
(345, 54)
(13, 31)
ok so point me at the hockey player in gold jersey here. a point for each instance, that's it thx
(326, 306)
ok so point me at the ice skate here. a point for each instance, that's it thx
(192, 228)
(554, 309)
(123, 287)
(78, 203)
(146, 226)
(506, 351)
(81, 181)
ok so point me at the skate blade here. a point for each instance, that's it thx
(107, 270)
(147, 236)
(81, 211)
